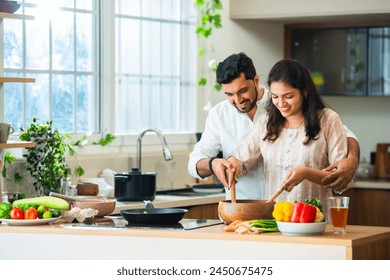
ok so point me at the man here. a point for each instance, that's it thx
(230, 122)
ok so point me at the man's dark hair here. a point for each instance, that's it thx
(232, 67)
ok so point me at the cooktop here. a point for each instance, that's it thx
(184, 224)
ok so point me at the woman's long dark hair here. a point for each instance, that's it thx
(295, 74)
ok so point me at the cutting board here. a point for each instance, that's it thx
(382, 161)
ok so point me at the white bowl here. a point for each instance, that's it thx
(301, 229)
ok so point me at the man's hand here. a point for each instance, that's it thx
(341, 175)
(225, 170)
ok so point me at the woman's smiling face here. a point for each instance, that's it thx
(287, 99)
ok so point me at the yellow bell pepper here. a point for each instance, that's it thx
(283, 211)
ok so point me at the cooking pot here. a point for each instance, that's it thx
(135, 186)
(151, 215)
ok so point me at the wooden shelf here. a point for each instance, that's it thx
(16, 80)
(17, 16)
(12, 145)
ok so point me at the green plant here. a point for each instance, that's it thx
(46, 162)
(209, 18)
(8, 159)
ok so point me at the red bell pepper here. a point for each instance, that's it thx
(297, 212)
(303, 213)
(308, 214)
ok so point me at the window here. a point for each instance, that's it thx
(59, 49)
(155, 65)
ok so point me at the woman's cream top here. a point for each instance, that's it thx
(288, 151)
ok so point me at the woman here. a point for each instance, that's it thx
(296, 139)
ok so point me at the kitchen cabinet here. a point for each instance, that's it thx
(359, 63)
(288, 11)
(368, 207)
(205, 211)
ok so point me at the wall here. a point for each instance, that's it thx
(367, 117)
(262, 41)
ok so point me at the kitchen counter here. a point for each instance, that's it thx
(371, 184)
(55, 242)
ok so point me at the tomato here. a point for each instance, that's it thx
(16, 213)
(30, 214)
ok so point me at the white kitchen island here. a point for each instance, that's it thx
(208, 243)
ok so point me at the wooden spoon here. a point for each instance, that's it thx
(276, 194)
(233, 191)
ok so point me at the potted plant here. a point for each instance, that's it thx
(46, 162)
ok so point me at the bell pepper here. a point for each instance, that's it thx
(282, 211)
(303, 213)
(297, 212)
(309, 213)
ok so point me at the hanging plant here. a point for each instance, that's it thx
(209, 18)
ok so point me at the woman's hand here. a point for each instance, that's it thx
(294, 177)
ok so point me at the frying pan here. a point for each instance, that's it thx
(151, 215)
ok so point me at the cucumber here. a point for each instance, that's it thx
(46, 201)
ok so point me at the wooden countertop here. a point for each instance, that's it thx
(371, 184)
(360, 242)
(355, 234)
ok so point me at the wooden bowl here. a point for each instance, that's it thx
(104, 206)
(91, 189)
(245, 210)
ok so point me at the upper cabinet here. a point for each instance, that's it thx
(287, 11)
(353, 61)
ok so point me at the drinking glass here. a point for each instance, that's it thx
(339, 213)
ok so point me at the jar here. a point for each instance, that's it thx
(365, 170)
(67, 188)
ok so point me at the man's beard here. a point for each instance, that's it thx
(251, 105)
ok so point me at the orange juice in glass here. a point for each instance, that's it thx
(339, 213)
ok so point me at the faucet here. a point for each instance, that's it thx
(166, 151)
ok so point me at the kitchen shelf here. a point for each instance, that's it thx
(16, 16)
(14, 145)
(16, 80)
